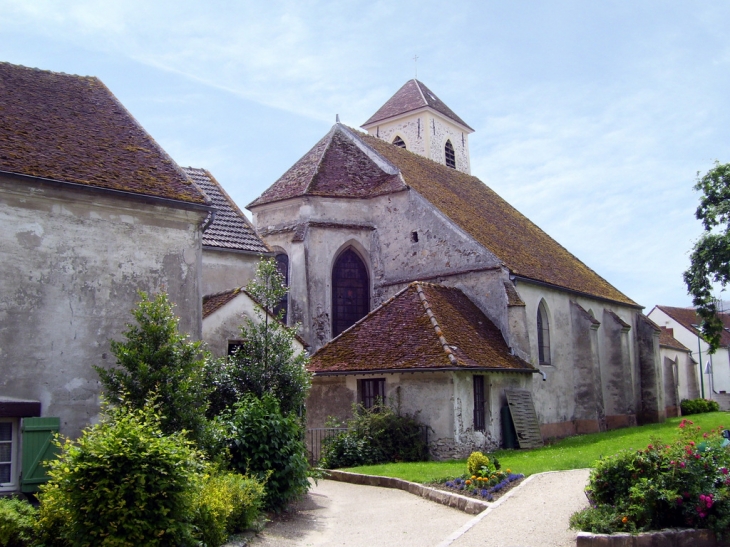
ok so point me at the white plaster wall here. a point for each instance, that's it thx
(225, 270)
(555, 397)
(718, 381)
(72, 263)
(425, 133)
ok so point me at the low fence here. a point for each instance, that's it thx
(316, 436)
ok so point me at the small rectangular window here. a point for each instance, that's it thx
(479, 404)
(234, 346)
(8, 453)
(372, 392)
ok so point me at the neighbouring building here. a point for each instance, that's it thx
(369, 221)
(712, 371)
(681, 377)
(92, 211)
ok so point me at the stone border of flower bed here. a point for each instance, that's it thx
(468, 505)
(680, 537)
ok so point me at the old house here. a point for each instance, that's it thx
(371, 223)
(92, 211)
(710, 371)
(681, 375)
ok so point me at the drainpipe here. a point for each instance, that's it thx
(702, 372)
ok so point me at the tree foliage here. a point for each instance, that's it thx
(155, 359)
(710, 258)
(267, 361)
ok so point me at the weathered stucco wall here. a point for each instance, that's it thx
(72, 263)
(225, 270)
(592, 369)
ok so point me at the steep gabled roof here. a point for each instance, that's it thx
(688, 318)
(213, 302)
(337, 166)
(667, 340)
(526, 250)
(73, 129)
(230, 228)
(412, 96)
(423, 327)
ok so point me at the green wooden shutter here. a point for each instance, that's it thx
(37, 448)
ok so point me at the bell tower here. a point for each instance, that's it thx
(417, 120)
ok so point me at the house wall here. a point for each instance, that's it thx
(442, 400)
(593, 367)
(72, 262)
(717, 381)
(686, 372)
(425, 133)
(225, 270)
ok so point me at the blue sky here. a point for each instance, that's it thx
(592, 118)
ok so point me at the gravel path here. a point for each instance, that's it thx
(340, 514)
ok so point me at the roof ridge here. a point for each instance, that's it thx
(330, 135)
(434, 322)
(418, 86)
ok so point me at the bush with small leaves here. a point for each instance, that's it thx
(475, 462)
(17, 522)
(698, 406)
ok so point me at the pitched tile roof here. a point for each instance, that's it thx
(73, 129)
(348, 163)
(526, 250)
(230, 228)
(213, 302)
(688, 318)
(337, 166)
(412, 96)
(667, 339)
(423, 327)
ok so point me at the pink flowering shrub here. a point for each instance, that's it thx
(680, 485)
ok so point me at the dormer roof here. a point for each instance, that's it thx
(413, 96)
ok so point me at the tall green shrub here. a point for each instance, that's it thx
(17, 522)
(267, 362)
(266, 443)
(156, 359)
(124, 482)
(698, 406)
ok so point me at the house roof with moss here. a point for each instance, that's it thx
(350, 164)
(423, 327)
(412, 96)
(230, 229)
(214, 302)
(667, 340)
(73, 129)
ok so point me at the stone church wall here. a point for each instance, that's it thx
(225, 270)
(73, 261)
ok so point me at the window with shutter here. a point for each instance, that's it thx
(37, 448)
(8, 454)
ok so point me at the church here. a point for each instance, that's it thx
(416, 284)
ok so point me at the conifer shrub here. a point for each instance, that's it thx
(375, 435)
(267, 444)
(17, 522)
(475, 462)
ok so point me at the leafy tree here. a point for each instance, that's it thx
(267, 362)
(710, 258)
(155, 359)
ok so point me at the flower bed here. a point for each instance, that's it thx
(681, 485)
(484, 478)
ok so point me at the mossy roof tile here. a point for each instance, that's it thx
(400, 335)
(73, 129)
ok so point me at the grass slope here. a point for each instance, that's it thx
(572, 453)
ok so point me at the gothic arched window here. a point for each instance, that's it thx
(543, 335)
(350, 291)
(450, 156)
(399, 142)
(282, 264)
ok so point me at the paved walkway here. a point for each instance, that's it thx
(340, 514)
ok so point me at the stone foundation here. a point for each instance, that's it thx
(449, 449)
(620, 420)
(662, 538)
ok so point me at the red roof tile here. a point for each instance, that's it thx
(688, 318)
(423, 327)
(667, 339)
(73, 129)
(337, 166)
(230, 228)
(213, 302)
(412, 96)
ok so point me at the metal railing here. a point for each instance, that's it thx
(316, 436)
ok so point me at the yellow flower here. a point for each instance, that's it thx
(473, 477)
(509, 471)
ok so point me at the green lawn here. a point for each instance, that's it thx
(571, 453)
